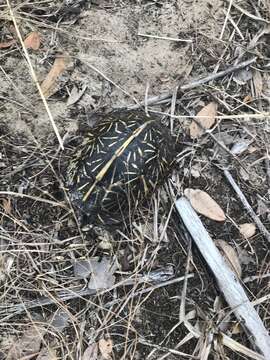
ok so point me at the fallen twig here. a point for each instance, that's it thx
(244, 116)
(227, 281)
(161, 275)
(247, 206)
(195, 83)
(34, 198)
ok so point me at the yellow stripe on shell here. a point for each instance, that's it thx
(118, 152)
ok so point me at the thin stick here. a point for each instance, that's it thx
(165, 38)
(247, 206)
(227, 281)
(226, 20)
(81, 293)
(248, 14)
(244, 116)
(34, 77)
(218, 75)
(196, 83)
(35, 198)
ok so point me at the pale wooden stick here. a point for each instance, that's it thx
(227, 281)
(34, 77)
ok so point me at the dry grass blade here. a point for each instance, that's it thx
(34, 76)
(34, 198)
(236, 346)
(246, 205)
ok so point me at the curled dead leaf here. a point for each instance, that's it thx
(247, 230)
(230, 255)
(32, 41)
(206, 117)
(49, 84)
(105, 347)
(204, 204)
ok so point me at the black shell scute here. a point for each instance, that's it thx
(120, 163)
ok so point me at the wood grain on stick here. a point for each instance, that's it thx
(227, 281)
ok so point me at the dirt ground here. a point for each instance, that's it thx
(94, 57)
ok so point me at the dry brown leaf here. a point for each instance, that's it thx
(247, 99)
(59, 66)
(32, 41)
(105, 347)
(27, 345)
(204, 204)
(206, 117)
(7, 44)
(230, 255)
(91, 352)
(247, 230)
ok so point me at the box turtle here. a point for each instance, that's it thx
(120, 163)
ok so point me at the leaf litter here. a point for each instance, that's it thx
(204, 204)
(46, 250)
(206, 118)
(28, 344)
(48, 85)
(32, 41)
(230, 256)
(247, 230)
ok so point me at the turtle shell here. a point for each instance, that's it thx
(119, 164)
